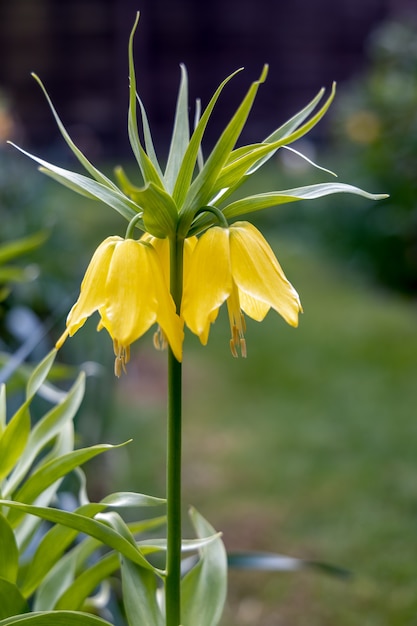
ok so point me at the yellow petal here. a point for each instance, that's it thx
(208, 281)
(259, 276)
(130, 304)
(137, 297)
(167, 318)
(92, 292)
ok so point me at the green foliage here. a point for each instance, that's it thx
(51, 573)
(374, 126)
(169, 202)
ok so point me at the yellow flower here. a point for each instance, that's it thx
(237, 266)
(125, 283)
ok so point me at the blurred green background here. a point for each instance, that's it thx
(307, 447)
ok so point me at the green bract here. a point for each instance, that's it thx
(170, 197)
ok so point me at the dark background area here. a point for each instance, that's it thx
(79, 49)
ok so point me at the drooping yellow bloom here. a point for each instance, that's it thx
(237, 266)
(125, 283)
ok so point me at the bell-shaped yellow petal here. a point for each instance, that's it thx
(260, 279)
(130, 305)
(207, 281)
(92, 291)
(137, 297)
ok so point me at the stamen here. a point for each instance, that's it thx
(118, 367)
(159, 339)
(122, 357)
(237, 324)
(233, 349)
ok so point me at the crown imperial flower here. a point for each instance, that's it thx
(237, 266)
(125, 283)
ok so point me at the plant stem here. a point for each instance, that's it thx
(174, 436)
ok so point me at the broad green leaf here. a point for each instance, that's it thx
(204, 587)
(54, 543)
(93, 171)
(9, 553)
(11, 600)
(147, 168)
(131, 499)
(18, 247)
(13, 439)
(203, 188)
(50, 472)
(3, 408)
(27, 525)
(45, 430)
(310, 192)
(139, 588)
(84, 576)
(54, 585)
(74, 596)
(139, 585)
(187, 545)
(83, 524)
(55, 618)
(189, 161)
(180, 134)
(87, 186)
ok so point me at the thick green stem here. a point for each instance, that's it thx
(174, 432)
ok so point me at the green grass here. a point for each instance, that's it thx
(307, 448)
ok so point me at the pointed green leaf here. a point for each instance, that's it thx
(150, 149)
(93, 171)
(39, 374)
(45, 430)
(203, 188)
(49, 550)
(310, 192)
(87, 186)
(11, 600)
(55, 618)
(76, 593)
(139, 595)
(131, 499)
(139, 585)
(194, 147)
(180, 135)
(54, 585)
(204, 587)
(48, 473)
(9, 553)
(13, 439)
(149, 171)
(82, 524)
(3, 408)
(288, 131)
(54, 543)
(187, 545)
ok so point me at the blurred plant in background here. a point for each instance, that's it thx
(373, 138)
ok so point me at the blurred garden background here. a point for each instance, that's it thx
(309, 446)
